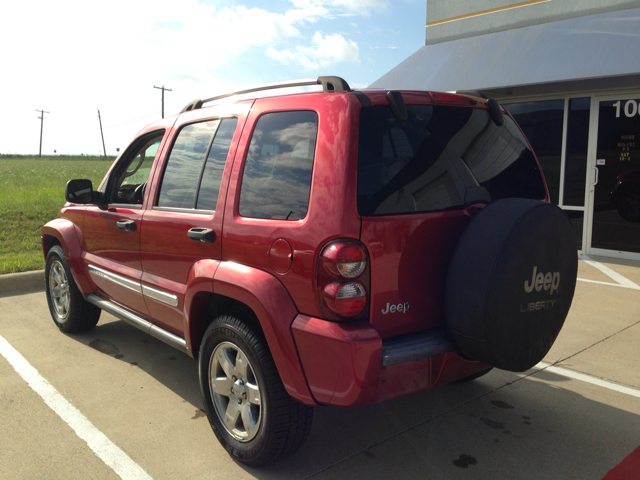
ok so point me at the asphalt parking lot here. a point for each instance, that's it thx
(579, 418)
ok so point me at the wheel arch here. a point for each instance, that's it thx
(65, 233)
(206, 306)
(259, 299)
(48, 242)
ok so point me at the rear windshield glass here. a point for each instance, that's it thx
(441, 158)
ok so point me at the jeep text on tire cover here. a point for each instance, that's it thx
(332, 247)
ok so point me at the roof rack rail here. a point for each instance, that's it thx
(329, 84)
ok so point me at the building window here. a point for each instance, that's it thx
(542, 123)
(575, 168)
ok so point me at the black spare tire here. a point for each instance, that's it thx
(511, 283)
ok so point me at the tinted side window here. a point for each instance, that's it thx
(277, 173)
(182, 174)
(441, 157)
(212, 175)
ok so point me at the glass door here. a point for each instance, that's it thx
(614, 179)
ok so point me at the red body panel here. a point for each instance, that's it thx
(104, 239)
(332, 204)
(342, 362)
(109, 248)
(403, 274)
(343, 365)
(168, 256)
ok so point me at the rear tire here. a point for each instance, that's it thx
(69, 310)
(249, 410)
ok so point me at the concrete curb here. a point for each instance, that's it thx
(23, 282)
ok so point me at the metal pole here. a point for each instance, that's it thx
(104, 149)
(163, 89)
(41, 117)
(41, 128)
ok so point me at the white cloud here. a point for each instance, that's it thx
(211, 37)
(74, 57)
(359, 6)
(327, 50)
(362, 7)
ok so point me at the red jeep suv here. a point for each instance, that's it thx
(329, 247)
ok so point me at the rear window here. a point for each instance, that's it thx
(441, 158)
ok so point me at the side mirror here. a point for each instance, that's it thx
(81, 191)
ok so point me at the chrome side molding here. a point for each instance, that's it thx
(137, 287)
(117, 279)
(161, 296)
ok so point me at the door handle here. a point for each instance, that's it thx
(595, 182)
(126, 225)
(204, 235)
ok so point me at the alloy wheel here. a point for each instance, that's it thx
(59, 290)
(235, 391)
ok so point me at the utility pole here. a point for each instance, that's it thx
(41, 117)
(163, 89)
(102, 135)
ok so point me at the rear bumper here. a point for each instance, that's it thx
(349, 365)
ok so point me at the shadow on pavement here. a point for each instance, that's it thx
(503, 425)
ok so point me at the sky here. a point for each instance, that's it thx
(72, 58)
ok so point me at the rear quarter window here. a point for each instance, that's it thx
(441, 158)
(277, 175)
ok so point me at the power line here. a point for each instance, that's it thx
(163, 89)
(131, 120)
(41, 117)
(104, 149)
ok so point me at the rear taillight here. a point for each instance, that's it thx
(345, 299)
(343, 279)
(344, 259)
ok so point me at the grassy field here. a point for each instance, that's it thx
(31, 194)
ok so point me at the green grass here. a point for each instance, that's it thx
(31, 194)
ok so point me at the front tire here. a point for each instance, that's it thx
(69, 310)
(249, 410)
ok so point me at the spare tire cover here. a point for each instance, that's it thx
(511, 283)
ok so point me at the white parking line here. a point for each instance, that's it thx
(622, 282)
(588, 379)
(97, 441)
